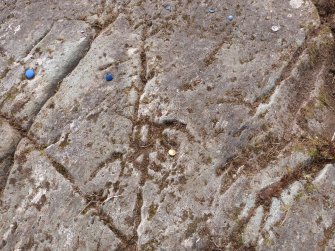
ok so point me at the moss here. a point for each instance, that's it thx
(191, 228)
(236, 213)
(62, 170)
(149, 246)
(208, 160)
(309, 111)
(152, 211)
(11, 94)
(237, 235)
(323, 100)
(313, 153)
(268, 242)
(4, 73)
(298, 196)
(42, 153)
(313, 52)
(321, 149)
(239, 242)
(327, 39)
(309, 187)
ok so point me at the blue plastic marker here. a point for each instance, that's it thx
(230, 18)
(109, 77)
(30, 73)
(168, 7)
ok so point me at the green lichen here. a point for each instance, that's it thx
(323, 100)
(313, 52)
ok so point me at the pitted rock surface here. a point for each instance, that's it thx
(247, 109)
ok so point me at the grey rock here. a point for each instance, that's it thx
(37, 193)
(5, 165)
(9, 138)
(25, 23)
(248, 111)
(251, 232)
(85, 88)
(306, 222)
(56, 55)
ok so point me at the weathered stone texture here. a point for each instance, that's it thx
(244, 106)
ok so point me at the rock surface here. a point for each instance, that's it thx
(247, 105)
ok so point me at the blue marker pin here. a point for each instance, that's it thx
(230, 18)
(30, 74)
(168, 7)
(109, 77)
(211, 10)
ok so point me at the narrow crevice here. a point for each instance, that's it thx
(128, 242)
(14, 124)
(10, 158)
(238, 101)
(323, 154)
(210, 58)
(143, 74)
(113, 157)
(138, 213)
(66, 175)
(143, 58)
(135, 143)
(6, 164)
(110, 17)
(287, 71)
(5, 72)
(103, 4)
(56, 88)
(254, 157)
(236, 236)
(73, 67)
(93, 201)
(23, 133)
(329, 234)
(155, 133)
(38, 41)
